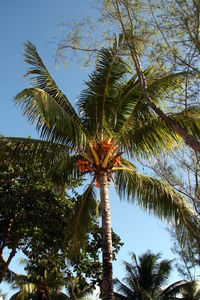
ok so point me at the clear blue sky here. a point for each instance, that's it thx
(37, 21)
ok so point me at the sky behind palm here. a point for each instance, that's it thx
(38, 21)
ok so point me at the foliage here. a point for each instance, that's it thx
(41, 222)
(181, 170)
(146, 278)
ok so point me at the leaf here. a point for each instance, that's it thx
(46, 105)
(157, 197)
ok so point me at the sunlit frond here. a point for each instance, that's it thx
(46, 105)
(145, 138)
(161, 86)
(157, 197)
(189, 119)
(96, 102)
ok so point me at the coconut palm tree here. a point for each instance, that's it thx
(113, 122)
(30, 291)
(75, 291)
(145, 280)
(42, 287)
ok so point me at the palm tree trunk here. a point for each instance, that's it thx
(107, 281)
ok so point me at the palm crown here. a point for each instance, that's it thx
(112, 120)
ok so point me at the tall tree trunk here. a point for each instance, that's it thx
(107, 281)
(5, 267)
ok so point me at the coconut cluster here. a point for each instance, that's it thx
(101, 150)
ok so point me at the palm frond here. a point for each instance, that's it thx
(28, 290)
(157, 197)
(161, 86)
(85, 210)
(123, 291)
(30, 150)
(148, 138)
(189, 119)
(96, 102)
(130, 104)
(151, 136)
(65, 171)
(46, 105)
(173, 289)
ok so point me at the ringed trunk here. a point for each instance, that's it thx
(107, 281)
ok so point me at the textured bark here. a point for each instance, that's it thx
(107, 281)
(5, 267)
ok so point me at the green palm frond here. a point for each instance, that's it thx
(85, 208)
(27, 290)
(189, 119)
(27, 149)
(156, 196)
(65, 171)
(127, 293)
(161, 86)
(96, 102)
(130, 104)
(145, 139)
(144, 277)
(46, 105)
(151, 136)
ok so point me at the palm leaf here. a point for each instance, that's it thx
(85, 209)
(129, 100)
(149, 137)
(145, 139)
(96, 102)
(28, 290)
(65, 171)
(46, 105)
(161, 86)
(35, 152)
(127, 293)
(157, 197)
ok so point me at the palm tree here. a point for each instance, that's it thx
(43, 287)
(112, 119)
(75, 291)
(145, 280)
(30, 291)
(49, 288)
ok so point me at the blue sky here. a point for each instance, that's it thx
(37, 21)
